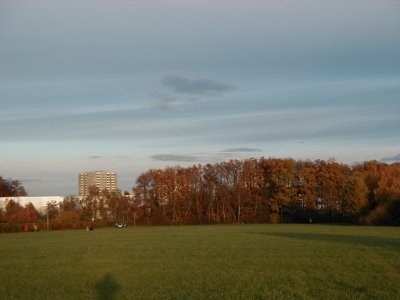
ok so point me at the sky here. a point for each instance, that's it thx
(126, 86)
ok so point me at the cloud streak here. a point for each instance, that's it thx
(17, 115)
(191, 158)
(224, 155)
(197, 86)
(164, 100)
(242, 149)
(94, 157)
(40, 179)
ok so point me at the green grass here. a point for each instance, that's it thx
(203, 262)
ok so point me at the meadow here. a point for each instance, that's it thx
(279, 261)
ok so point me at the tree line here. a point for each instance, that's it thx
(100, 208)
(269, 191)
(264, 190)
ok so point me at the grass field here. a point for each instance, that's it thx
(203, 262)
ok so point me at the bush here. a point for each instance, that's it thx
(69, 216)
(9, 227)
(384, 214)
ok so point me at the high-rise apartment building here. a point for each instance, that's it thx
(101, 179)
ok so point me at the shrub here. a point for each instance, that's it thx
(69, 216)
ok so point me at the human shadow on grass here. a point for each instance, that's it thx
(369, 241)
(107, 287)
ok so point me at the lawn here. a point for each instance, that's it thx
(203, 262)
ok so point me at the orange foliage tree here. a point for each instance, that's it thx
(264, 190)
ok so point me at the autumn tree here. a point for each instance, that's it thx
(12, 208)
(372, 171)
(52, 209)
(2, 218)
(10, 188)
(28, 214)
(68, 216)
(116, 205)
(280, 184)
(69, 210)
(253, 206)
(355, 195)
(307, 184)
(141, 193)
(332, 177)
(387, 197)
(89, 204)
(388, 187)
(70, 203)
(207, 193)
(262, 190)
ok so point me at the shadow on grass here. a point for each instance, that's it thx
(106, 288)
(369, 241)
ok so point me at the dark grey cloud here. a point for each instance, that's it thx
(242, 149)
(391, 158)
(198, 86)
(181, 89)
(191, 158)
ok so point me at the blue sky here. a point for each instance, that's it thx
(130, 85)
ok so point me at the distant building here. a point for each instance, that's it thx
(101, 179)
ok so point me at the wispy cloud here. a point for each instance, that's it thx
(108, 157)
(164, 100)
(242, 149)
(38, 179)
(191, 158)
(32, 114)
(224, 155)
(175, 157)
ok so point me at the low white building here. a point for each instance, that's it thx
(38, 202)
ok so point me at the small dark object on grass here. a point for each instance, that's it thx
(121, 225)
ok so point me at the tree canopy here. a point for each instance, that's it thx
(11, 188)
(270, 190)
